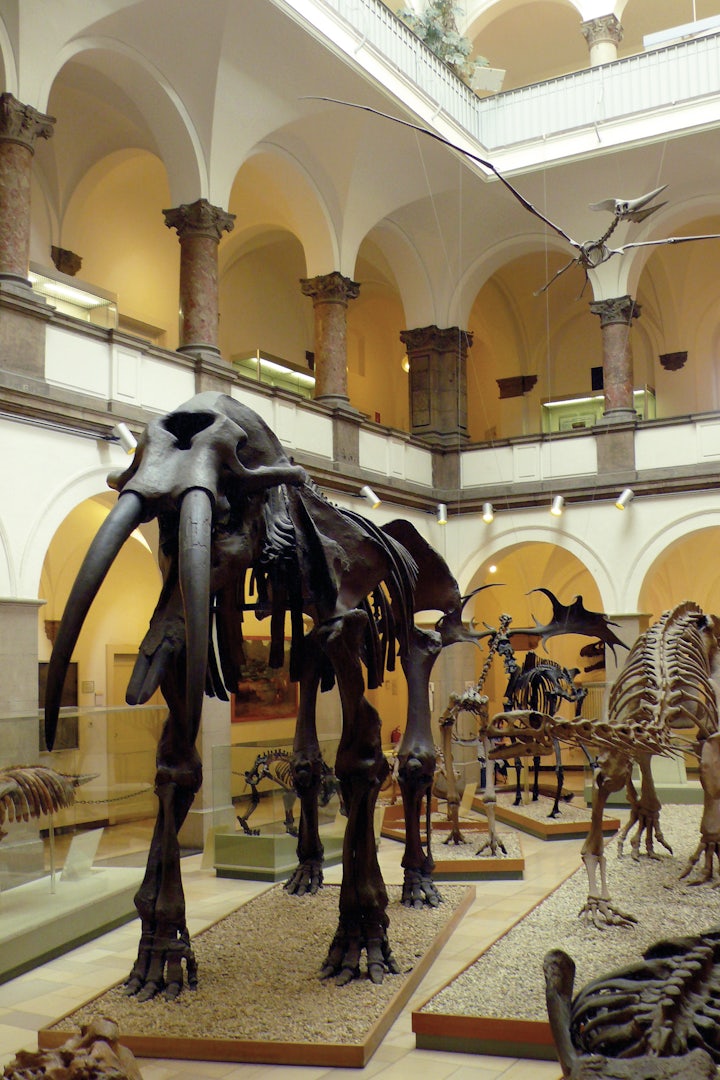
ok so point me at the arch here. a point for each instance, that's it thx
(510, 536)
(50, 514)
(409, 271)
(272, 188)
(8, 73)
(662, 539)
(490, 261)
(168, 122)
(8, 578)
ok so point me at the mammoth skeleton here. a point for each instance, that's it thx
(231, 506)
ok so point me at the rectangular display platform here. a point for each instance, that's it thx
(276, 944)
(473, 868)
(545, 828)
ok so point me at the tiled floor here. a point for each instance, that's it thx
(30, 1001)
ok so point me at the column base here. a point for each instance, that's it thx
(337, 401)
(618, 416)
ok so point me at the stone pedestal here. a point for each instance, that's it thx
(20, 126)
(616, 318)
(199, 227)
(331, 294)
(438, 383)
(21, 851)
(603, 36)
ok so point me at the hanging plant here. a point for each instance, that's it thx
(437, 28)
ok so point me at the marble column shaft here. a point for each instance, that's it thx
(616, 317)
(20, 126)
(199, 227)
(330, 296)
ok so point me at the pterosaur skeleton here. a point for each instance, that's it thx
(589, 254)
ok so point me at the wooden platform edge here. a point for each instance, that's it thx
(545, 830)
(330, 1055)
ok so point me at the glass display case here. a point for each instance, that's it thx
(262, 844)
(73, 297)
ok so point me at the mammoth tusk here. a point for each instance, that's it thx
(194, 576)
(125, 516)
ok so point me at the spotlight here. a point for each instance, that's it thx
(125, 437)
(488, 512)
(368, 494)
(557, 506)
(625, 496)
(405, 364)
(441, 514)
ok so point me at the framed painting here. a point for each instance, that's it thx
(263, 693)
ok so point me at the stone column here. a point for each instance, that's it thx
(330, 296)
(438, 382)
(199, 227)
(616, 318)
(20, 126)
(603, 36)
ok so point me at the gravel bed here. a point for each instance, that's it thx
(259, 975)
(443, 852)
(575, 810)
(507, 980)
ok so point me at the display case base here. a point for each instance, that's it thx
(37, 924)
(267, 857)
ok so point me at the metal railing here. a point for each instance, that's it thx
(683, 73)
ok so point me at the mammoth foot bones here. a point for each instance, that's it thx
(159, 967)
(350, 942)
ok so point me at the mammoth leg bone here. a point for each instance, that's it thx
(307, 773)
(360, 766)
(160, 902)
(416, 757)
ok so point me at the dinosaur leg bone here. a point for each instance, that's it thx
(709, 846)
(644, 814)
(598, 909)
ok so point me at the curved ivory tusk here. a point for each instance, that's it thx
(125, 516)
(194, 576)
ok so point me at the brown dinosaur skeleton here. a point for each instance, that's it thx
(230, 504)
(655, 1019)
(668, 683)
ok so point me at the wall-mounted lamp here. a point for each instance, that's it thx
(405, 363)
(625, 496)
(368, 494)
(557, 506)
(125, 437)
(488, 512)
(441, 514)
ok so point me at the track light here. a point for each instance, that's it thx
(441, 514)
(488, 512)
(368, 494)
(557, 506)
(125, 437)
(625, 496)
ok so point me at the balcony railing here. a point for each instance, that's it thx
(684, 73)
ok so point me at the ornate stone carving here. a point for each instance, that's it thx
(199, 219)
(22, 123)
(330, 288)
(606, 28)
(619, 309)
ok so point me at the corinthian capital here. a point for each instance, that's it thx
(330, 288)
(22, 124)
(199, 219)
(605, 28)
(620, 309)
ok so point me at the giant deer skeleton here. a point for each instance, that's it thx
(231, 505)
